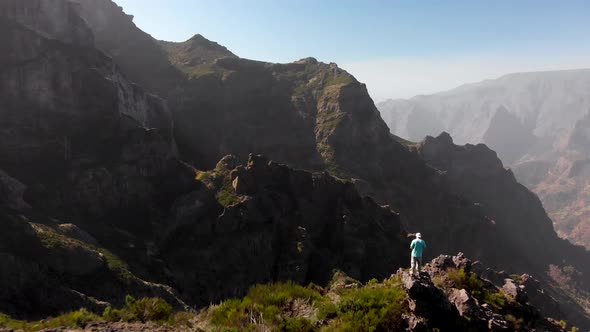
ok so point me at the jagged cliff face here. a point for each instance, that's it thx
(75, 146)
(95, 150)
(53, 19)
(55, 87)
(534, 121)
(277, 224)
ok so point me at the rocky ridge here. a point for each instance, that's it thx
(451, 294)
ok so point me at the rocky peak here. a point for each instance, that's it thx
(508, 135)
(194, 52)
(308, 60)
(103, 16)
(458, 160)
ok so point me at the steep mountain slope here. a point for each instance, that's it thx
(74, 145)
(114, 170)
(536, 123)
(95, 203)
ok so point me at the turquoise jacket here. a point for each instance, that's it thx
(417, 246)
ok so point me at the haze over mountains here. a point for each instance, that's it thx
(180, 170)
(537, 122)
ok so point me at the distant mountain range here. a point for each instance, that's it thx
(538, 123)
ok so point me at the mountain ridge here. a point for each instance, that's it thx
(536, 123)
(138, 192)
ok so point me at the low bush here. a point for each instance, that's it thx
(377, 308)
(77, 318)
(268, 305)
(147, 309)
(475, 286)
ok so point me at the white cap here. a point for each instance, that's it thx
(418, 235)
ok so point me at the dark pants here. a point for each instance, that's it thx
(416, 264)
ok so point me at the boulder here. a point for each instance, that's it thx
(515, 291)
(465, 304)
(426, 300)
(462, 262)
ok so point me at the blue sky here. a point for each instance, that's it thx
(399, 48)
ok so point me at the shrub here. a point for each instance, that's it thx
(9, 323)
(267, 305)
(372, 282)
(145, 310)
(474, 285)
(77, 318)
(327, 310)
(231, 313)
(111, 314)
(183, 318)
(371, 309)
(279, 294)
(514, 322)
(296, 324)
(496, 300)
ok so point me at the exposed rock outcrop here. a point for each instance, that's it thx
(449, 297)
(282, 224)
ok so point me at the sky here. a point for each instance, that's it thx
(398, 48)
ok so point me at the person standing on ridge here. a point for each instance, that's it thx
(417, 247)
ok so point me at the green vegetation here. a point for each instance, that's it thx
(329, 121)
(474, 285)
(51, 239)
(201, 70)
(515, 322)
(290, 307)
(376, 307)
(77, 318)
(226, 195)
(269, 305)
(332, 167)
(219, 180)
(339, 80)
(118, 266)
(143, 310)
(205, 176)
